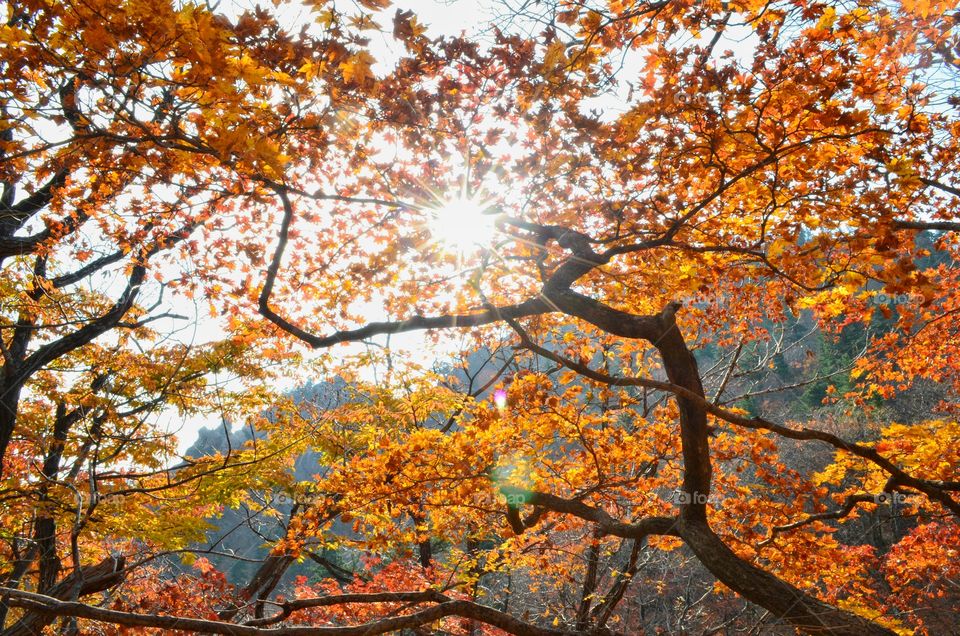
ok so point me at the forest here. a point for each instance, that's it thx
(529, 317)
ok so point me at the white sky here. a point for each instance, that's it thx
(442, 18)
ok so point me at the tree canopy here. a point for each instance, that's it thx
(689, 272)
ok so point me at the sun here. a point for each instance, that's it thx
(463, 224)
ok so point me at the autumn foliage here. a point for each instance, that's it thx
(621, 317)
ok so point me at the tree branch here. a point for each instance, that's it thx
(605, 523)
(932, 489)
(466, 609)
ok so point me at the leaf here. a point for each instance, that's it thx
(356, 69)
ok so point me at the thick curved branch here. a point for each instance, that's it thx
(661, 332)
(934, 490)
(939, 185)
(945, 226)
(90, 268)
(90, 579)
(782, 599)
(110, 319)
(605, 523)
(786, 601)
(12, 217)
(289, 607)
(466, 609)
(530, 307)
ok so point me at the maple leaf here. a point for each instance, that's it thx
(706, 263)
(406, 27)
(356, 69)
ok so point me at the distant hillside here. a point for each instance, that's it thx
(246, 532)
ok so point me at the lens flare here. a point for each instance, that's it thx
(462, 224)
(500, 398)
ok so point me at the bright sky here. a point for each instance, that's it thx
(441, 17)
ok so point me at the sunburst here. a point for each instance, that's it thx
(463, 223)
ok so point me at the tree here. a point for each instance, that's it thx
(121, 144)
(631, 164)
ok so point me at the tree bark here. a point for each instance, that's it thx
(90, 579)
(766, 590)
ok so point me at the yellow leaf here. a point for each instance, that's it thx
(828, 18)
(357, 69)
(555, 56)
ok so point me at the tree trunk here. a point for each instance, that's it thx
(89, 580)
(771, 593)
(9, 402)
(766, 590)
